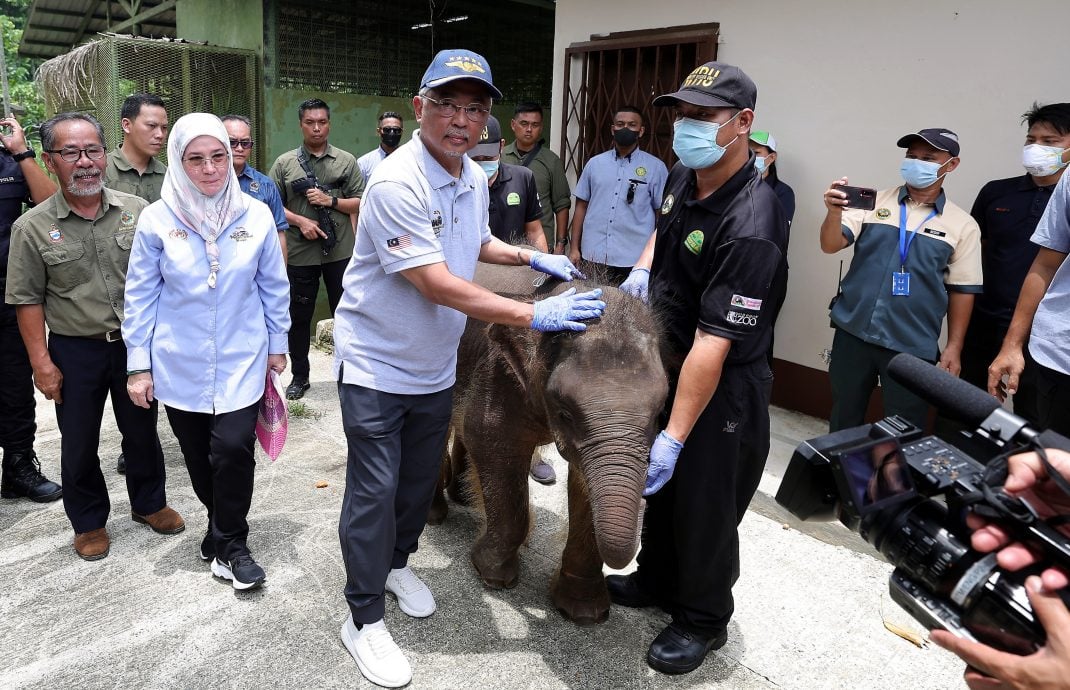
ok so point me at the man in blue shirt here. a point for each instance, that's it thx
(253, 182)
(617, 198)
(389, 130)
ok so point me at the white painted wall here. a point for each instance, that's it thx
(840, 81)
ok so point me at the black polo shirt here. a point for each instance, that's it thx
(720, 263)
(13, 193)
(1008, 212)
(514, 201)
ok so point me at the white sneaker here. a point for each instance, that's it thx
(414, 598)
(377, 655)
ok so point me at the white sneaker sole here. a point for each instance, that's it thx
(348, 633)
(222, 571)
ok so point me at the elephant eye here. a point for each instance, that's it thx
(564, 416)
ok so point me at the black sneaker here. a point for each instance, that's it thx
(22, 478)
(242, 571)
(120, 464)
(676, 650)
(298, 386)
(208, 546)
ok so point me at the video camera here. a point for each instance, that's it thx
(326, 222)
(877, 480)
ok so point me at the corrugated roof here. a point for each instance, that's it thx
(56, 26)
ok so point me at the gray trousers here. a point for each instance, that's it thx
(395, 452)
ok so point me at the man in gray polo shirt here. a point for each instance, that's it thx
(422, 228)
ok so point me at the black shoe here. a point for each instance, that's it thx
(675, 650)
(208, 546)
(22, 478)
(242, 571)
(120, 464)
(626, 591)
(298, 386)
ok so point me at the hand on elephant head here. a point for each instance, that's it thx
(566, 311)
(556, 265)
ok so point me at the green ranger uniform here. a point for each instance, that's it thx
(336, 170)
(75, 267)
(120, 175)
(550, 180)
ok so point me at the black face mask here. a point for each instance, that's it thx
(391, 137)
(625, 137)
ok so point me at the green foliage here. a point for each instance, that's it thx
(25, 99)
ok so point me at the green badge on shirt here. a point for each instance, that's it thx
(513, 199)
(694, 242)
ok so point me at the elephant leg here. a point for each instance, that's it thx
(439, 509)
(503, 481)
(458, 486)
(578, 589)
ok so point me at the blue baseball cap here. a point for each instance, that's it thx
(458, 63)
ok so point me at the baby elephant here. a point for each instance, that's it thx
(597, 394)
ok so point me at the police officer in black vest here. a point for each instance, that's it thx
(21, 181)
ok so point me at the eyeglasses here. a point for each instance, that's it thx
(73, 155)
(216, 159)
(391, 130)
(241, 143)
(476, 112)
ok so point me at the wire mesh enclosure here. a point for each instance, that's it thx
(98, 76)
(382, 48)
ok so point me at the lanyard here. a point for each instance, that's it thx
(905, 238)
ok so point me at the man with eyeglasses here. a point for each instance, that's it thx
(423, 226)
(529, 150)
(311, 252)
(253, 182)
(67, 269)
(389, 131)
(617, 197)
(717, 268)
(133, 167)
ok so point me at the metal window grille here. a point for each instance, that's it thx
(377, 48)
(98, 76)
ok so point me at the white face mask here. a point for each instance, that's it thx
(1041, 161)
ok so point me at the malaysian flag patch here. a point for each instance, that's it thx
(396, 244)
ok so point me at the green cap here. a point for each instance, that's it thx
(763, 138)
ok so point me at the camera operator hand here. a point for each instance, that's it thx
(1050, 666)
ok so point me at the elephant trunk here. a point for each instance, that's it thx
(614, 474)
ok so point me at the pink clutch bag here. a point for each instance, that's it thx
(272, 419)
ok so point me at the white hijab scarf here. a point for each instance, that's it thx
(205, 215)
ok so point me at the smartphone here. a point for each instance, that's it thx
(864, 198)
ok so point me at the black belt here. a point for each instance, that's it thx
(111, 336)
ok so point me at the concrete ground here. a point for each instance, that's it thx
(809, 603)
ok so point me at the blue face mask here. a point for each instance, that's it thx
(695, 142)
(489, 167)
(920, 174)
(759, 164)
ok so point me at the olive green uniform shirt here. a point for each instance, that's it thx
(122, 176)
(75, 267)
(550, 180)
(336, 170)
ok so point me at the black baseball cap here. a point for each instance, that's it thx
(490, 140)
(715, 85)
(937, 137)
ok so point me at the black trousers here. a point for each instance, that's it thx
(218, 449)
(1053, 400)
(690, 542)
(18, 422)
(304, 289)
(395, 452)
(853, 373)
(984, 338)
(612, 275)
(91, 370)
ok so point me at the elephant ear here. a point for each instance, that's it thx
(517, 348)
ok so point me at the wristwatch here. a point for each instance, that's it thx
(562, 240)
(28, 153)
(334, 202)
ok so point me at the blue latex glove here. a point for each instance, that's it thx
(556, 265)
(565, 311)
(636, 283)
(663, 456)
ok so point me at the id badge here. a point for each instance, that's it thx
(901, 284)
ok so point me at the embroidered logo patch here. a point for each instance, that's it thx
(513, 199)
(240, 235)
(640, 171)
(694, 242)
(178, 234)
(883, 213)
(746, 302)
(742, 319)
(396, 244)
(254, 186)
(666, 205)
(126, 219)
(730, 427)
(54, 234)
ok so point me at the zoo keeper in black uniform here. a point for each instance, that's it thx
(717, 272)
